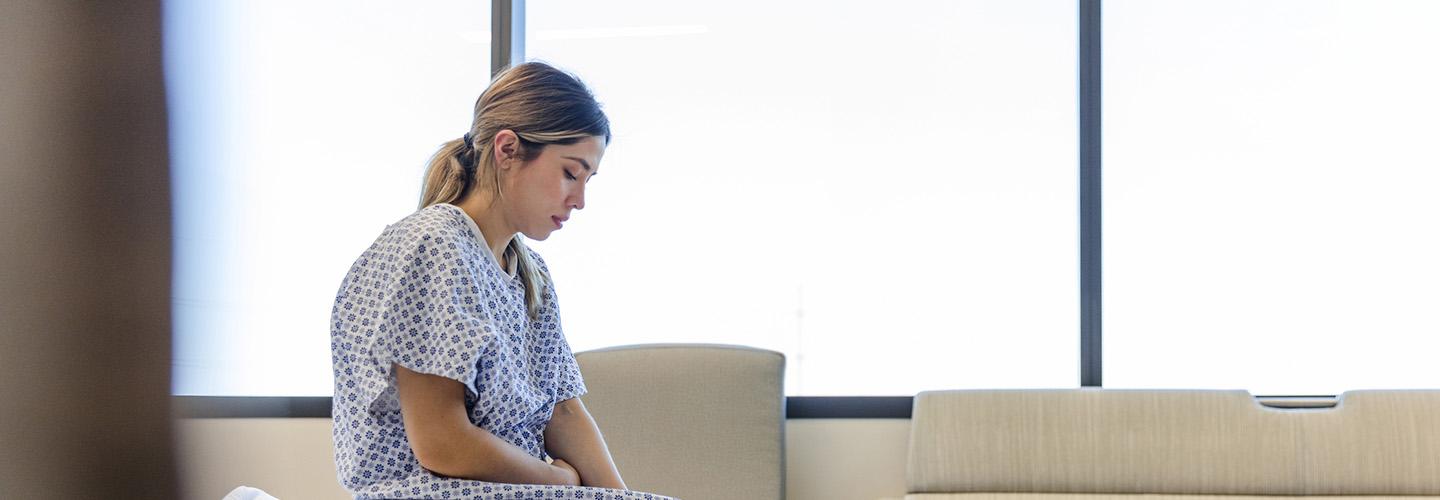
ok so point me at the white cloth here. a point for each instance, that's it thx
(248, 493)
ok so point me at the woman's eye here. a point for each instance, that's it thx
(569, 175)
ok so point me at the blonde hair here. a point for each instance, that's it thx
(542, 105)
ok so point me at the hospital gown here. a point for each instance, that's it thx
(428, 295)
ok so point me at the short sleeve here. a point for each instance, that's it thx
(435, 322)
(571, 384)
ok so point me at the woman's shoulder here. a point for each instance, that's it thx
(437, 217)
(439, 223)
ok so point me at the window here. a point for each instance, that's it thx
(1270, 209)
(298, 131)
(885, 195)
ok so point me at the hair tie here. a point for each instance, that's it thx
(467, 160)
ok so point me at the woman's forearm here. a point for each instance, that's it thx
(445, 442)
(483, 456)
(573, 436)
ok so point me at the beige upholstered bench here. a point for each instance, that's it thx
(1092, 444)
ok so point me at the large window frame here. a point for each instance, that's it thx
(508, 45)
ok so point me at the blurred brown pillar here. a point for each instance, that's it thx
(84, 252)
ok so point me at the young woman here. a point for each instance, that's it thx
(452, 376)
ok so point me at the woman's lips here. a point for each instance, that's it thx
(558, 223)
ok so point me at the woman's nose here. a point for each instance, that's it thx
(577, 202)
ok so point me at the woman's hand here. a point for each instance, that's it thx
(572, 434)
(569, 476)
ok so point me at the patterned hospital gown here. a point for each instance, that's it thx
(429, 296)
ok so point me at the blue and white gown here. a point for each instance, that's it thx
(429, 296)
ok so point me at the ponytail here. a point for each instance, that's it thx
(445, 176)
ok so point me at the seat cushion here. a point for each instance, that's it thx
(1137, 496)
(1174, 442)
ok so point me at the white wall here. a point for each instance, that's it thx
(290, 458)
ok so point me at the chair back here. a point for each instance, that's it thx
(692, 421)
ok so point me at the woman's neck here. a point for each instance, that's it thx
(491, 219)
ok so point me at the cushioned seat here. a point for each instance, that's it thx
(1075, 444)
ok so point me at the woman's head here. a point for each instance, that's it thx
(537, 137)
(535, 105)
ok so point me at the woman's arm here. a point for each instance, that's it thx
(573, 436)
(446, 443)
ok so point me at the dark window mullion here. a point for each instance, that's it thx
(507, 34)
(1090, 318)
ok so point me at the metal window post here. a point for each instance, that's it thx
(1090, 236)
(507, 34)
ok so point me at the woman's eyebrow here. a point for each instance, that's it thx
(583, 163)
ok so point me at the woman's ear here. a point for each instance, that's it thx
(507, 148)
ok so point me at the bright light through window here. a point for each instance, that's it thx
(886, 195)
(1270, 194)
(298, 131)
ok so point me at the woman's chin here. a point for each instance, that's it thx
(537, 235)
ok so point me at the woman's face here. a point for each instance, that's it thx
(544, 191)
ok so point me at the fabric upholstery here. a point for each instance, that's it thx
(1132, 496)
(1172, 442)
(691, 421)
